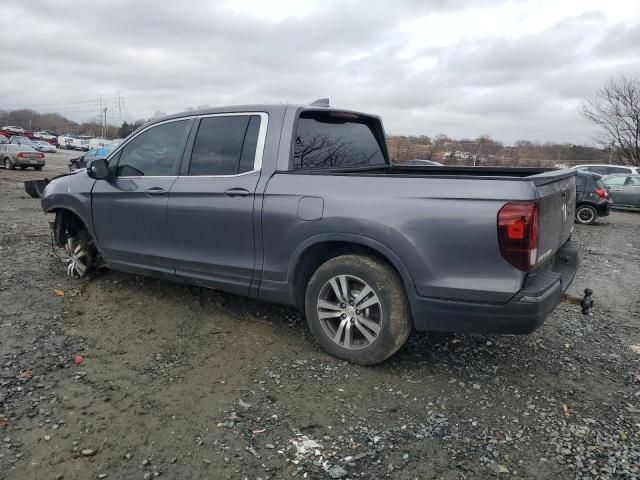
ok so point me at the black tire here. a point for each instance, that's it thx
(37, 167)
(394, 313)
(586, 215)
(23, 167)
(8, 164)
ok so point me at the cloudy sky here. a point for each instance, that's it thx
(515, 69)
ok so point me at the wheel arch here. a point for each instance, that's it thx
(316, 250)
(67, 222)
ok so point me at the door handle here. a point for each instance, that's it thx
(616, 189)
(155, 191)
(237, 192)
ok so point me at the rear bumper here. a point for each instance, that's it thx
(25, 162)
(525, 312)
(604, 208)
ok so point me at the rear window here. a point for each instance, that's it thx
(600, 184)
(618, 170)
(333, 140)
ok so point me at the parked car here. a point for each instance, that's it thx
(14, 155)
(82, 160)
(418, 162)
(43, 146)
(45, 135)
(20, 140)
(606, 169)
(3, 139)
(73, 143)
(624, 190)
(592, 199)
(300, 205)
(13, 130)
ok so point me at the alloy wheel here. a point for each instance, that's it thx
(350, 312)
(78, 257)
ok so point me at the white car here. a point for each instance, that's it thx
(13, 130)
(43, 135)
(43, 146)
(606, 169)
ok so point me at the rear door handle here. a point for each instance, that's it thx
(237, 192)
(155, 191)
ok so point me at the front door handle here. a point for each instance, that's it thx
(155, 191)
(237, 192)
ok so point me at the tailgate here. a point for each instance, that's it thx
(556, 208)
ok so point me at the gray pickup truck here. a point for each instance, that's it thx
(300, 205)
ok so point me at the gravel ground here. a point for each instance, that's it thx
(180, 382)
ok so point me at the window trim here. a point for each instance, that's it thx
(257, 161)
(148, 127)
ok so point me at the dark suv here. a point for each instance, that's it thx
(592, 199)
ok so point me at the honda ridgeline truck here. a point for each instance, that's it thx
(300, 205)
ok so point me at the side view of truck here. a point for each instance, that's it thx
(300, 205)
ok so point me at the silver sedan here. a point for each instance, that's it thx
(13, 155)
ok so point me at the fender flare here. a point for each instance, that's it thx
(356, 239)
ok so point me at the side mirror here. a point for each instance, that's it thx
(98, 169)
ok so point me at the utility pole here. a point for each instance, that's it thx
(119, 104)
(104, 130)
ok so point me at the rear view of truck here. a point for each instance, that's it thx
(379, 248)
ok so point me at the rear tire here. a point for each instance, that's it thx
(38, 167)
(371, 323)
(586, 215)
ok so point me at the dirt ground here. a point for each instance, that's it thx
(180, 382)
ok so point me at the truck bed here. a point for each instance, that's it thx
(539, 176)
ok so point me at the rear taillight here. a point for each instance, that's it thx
(602, 193)
(20, 155)
(42, 155)
(518, 234)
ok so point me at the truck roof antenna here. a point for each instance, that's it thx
(321, 102)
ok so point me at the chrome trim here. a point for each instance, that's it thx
(218, 176)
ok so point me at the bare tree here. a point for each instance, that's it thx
(616, 110)
(321, 151)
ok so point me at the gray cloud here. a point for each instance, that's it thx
(170, 55)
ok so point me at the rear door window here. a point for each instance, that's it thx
(327, 140)
(633, 181)
(225, 145)
(600, 170)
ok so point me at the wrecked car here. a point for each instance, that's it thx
(299, 204)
